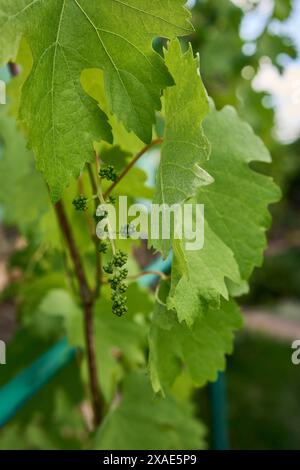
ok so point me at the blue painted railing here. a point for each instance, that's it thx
(27, 383)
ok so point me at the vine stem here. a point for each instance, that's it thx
(86, 294)
(133, 277)
(101, 197)
(98, 273)
(160, 274)
(87, 299)
(131, 164)
(13, 68)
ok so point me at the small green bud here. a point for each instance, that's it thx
(112, 199)
(123, 273)
(80, 203)
(108, 268)
(119, 259)
(108, 172)
(122, 287)
(103, 247)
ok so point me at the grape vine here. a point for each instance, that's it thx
(89, 112)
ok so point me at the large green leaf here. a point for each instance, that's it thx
(236, 204)
(15, 85)
(93, 83)
(67, 36)
(192, 293)
(138, 420)
(185, 146)
(236, 217)
(200, 348)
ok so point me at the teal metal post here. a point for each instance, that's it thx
(219, 413)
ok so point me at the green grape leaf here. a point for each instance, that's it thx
(236, 217)
(14, 86)
(92, 81)
(205, 281)
(236, 204)
(67, 36)
(34, 290)
(20, 183)
(185, 146)
(138, 420)
(201, 348)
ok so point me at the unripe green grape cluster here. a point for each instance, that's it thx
(119, 259)
(117, 283)
(80, 203)
(108, 268)
(103, 247)
(119, 307)
(108, 172)
(115, 267)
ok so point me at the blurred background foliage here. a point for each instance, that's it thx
(263, 385)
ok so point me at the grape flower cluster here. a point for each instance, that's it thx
(108, 172)
(80, 203)
(117, 284)
(103, 247)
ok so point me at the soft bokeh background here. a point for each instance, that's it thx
(250, 58)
